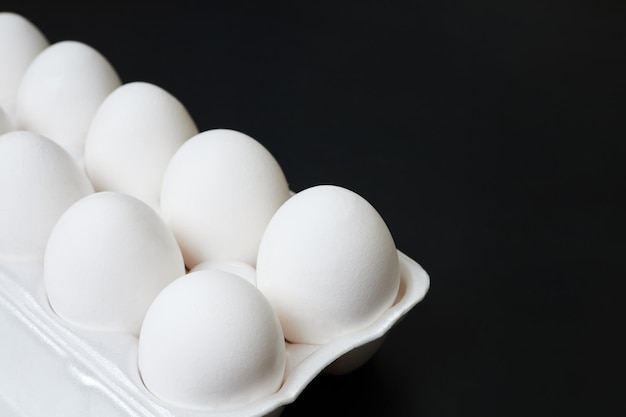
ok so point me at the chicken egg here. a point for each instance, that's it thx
(20, 42)
(244, 270)
(61, 91)
(5, 124)
(219, 191)
(328, 264)
(211, 340)
(107, 258)
(132, 137)
(39, 180)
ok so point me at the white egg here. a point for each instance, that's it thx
(20, 42)
(38, 181)
(107, 258)
(132, 138)
(61, 91)
(5, 123)
(242, 269)
(328, 264)
(219, 191)
(211, 341)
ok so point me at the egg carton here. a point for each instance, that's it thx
(49, 367)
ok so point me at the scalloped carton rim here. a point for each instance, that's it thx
(50, 368)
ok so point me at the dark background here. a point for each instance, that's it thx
(488, 134)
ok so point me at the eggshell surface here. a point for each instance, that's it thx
(39, 180)
(132, 137)
(244, 270)
(61, 91)
(5, 123)
(220, 190)
(211, 341)
(107, 258)
(20, 42)
(328, 264)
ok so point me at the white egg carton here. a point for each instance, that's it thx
(49, 368)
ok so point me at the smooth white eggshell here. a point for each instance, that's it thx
(132, 137)
(220, 190)
(107, 258)
(244, 270)
(20, 42)
(39, 180)
(210, 340)
(328, 264)
(6, 124)
(61, 91)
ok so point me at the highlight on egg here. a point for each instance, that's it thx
(107, 258)
(328, 264)
(211, 341)
(219, 191)
(61, 91)
(132, 137)
(20, 42)
(39, 180)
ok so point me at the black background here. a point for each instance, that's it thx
(488, 134)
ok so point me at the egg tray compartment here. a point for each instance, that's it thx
(49, 367)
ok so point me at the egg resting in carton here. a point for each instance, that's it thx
(147, 268)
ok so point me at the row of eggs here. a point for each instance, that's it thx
(192, 241)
